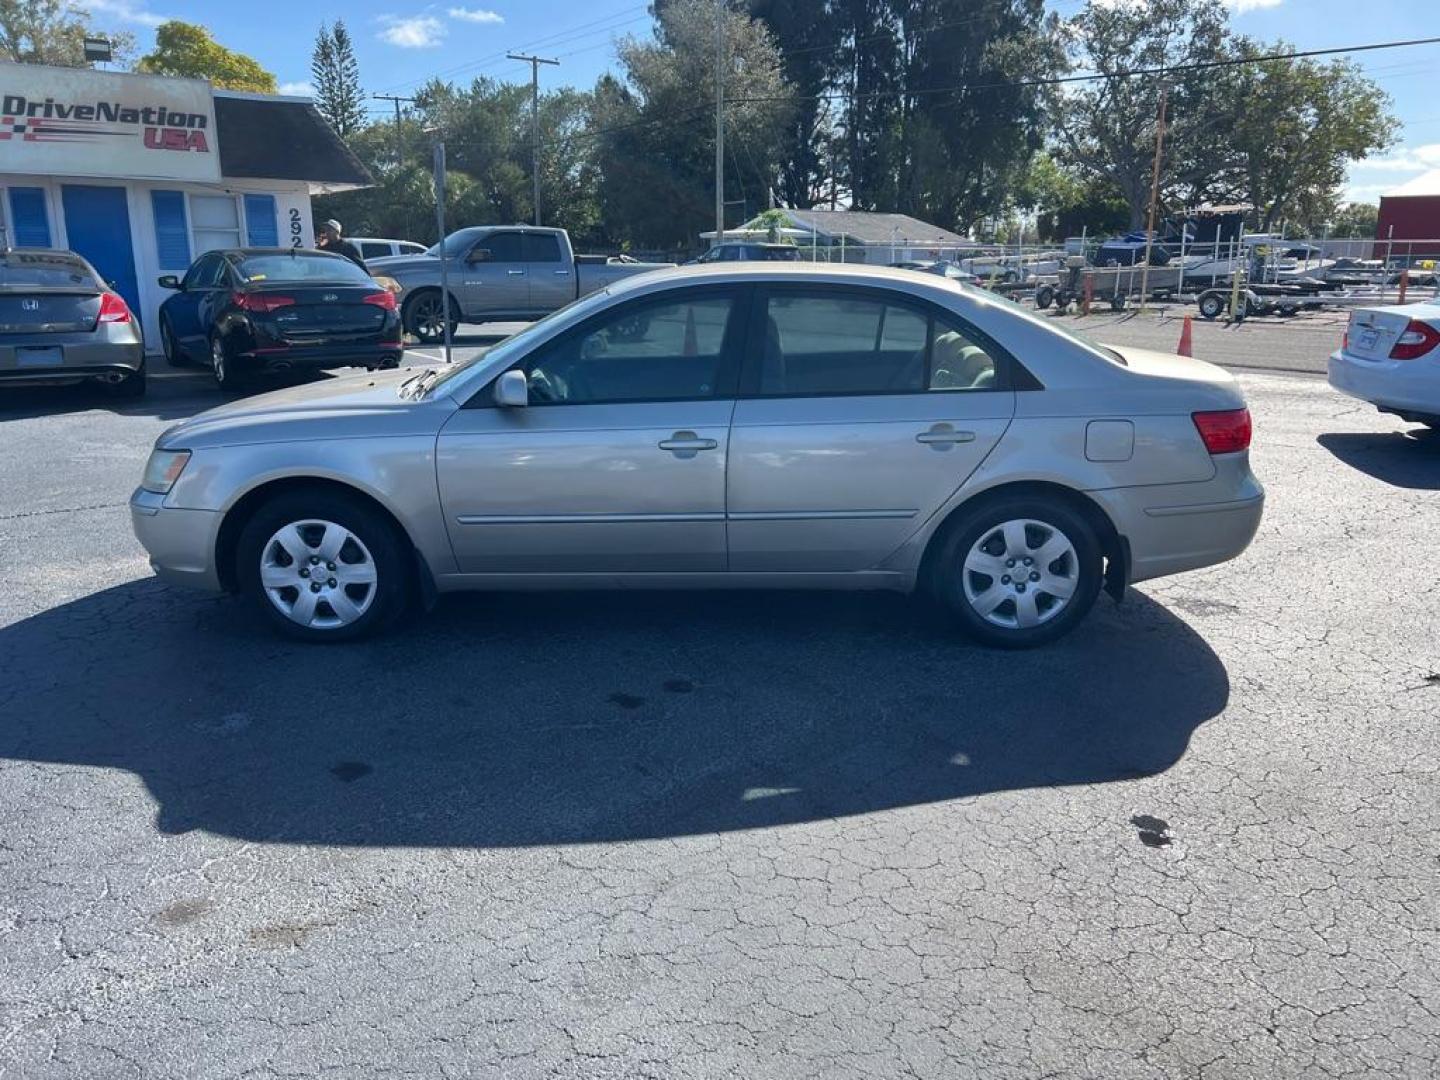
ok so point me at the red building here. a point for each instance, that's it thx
(1410, 219)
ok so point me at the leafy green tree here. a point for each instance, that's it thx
(656, 128)
(52, 32)
(185, 50)
(1298, 124)
(1106, 129)
(1352, 219)
(336, 75)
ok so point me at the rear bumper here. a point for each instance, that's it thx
(80, 361)
(1411, 386)
(1176, 527)
(320, 356)
(180, 543)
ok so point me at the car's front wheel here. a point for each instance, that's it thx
(1018, 572)
(322, 566)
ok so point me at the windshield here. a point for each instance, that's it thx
(456, 244)
(513, 347)
(331, 269)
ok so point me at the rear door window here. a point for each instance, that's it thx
(542, 248)
(836, 343)
(372, 250)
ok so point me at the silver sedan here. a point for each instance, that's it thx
(732, 426)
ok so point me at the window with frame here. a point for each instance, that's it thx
(371, 250)
(215, 222)
(832, 344)
(499, 247)
(204, 273)
(542, 248)
(666, 350)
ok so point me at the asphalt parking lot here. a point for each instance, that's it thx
(697, 835)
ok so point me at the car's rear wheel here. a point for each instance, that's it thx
(223, 367)
(424, 318)
(1018, 572)
(1211, 306)
(1044, 297)
(322, 566)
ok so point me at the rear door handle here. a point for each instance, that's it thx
(561, 273)
(943, 436)
(687, 441)
(515, 273)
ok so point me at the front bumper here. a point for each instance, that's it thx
(181, 543)
(1176, 527)
(1411, 386)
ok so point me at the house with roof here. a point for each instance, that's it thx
(140, 174)
(862, 235)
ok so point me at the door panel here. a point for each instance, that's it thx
(830, 484)
(586, 488)
(499, 282)
(552, 278)
(97, 226)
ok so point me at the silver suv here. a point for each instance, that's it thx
(760, 425)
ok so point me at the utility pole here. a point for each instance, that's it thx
(534, 62)
(438, 164)
(399, 138)
(719, 121)
(1154, 198)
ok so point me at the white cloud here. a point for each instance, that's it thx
(297, 89)
(476, 15)
(124, 11)
(1405, 159)
(1242, 6)
(416, 32)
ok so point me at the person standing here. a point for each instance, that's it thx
(328, 238)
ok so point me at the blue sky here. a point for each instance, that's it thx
(400, 44)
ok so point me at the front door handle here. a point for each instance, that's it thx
(944, 436)
(515, 273)
(687, 442)
(561, 273)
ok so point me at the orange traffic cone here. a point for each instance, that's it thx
(1185, 348)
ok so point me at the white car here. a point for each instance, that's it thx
(375, 248)
(1390, 357)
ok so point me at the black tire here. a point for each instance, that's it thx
(1211, 306)
(1084, 569)
(1044, 297)
(1117, 302)
(131, 386)
(222, 365)
(421, 316)
(379, 536)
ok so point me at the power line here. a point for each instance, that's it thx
(534, 62)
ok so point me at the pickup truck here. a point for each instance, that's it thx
(498, 273)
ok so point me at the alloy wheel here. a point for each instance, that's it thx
(1021, 573)
(217, 360)
(427, 317)
(318, 574)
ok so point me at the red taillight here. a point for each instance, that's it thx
(261, 303)
(1224, 432)
(384, 300)
(113, 309)
(1417, 340)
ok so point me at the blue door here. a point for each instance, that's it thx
(97, 225)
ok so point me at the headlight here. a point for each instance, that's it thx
(163, 469)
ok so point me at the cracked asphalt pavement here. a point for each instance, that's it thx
(697, 835)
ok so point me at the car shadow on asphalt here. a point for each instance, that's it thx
(1407, 459)
(534, 719)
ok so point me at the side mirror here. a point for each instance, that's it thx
(169, 281)
(512, 390)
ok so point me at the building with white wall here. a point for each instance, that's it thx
(140, 174)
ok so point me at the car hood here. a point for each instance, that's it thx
(351, 406)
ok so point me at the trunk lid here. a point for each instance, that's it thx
(48, 311)
(317, 314)
(1372, 332)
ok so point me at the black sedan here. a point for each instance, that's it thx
(267, 310)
